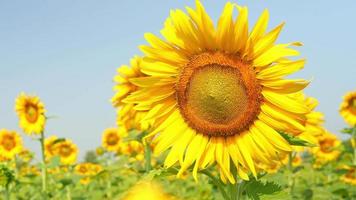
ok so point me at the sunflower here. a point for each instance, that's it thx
(348, 108)
(31, 113)
(134, 149)
(67, 151)
(49, 144)
(87, 169)
(326, 150)
(10, 144)
(112, 138)
(128, 117)
(313, 123)
(219, 94)
(350, 176)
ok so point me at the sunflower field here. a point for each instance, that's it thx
(208, 111)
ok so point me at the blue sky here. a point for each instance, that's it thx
(67, 52)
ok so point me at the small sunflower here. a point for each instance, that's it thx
(128, 117)
(134, 149)
(217, 95)
(67, 151)
(112, 139)
(87, 169)
(350, 176)
(348, 108)
(31, 113)
(49, 144)
(326, 150)
(10, 144)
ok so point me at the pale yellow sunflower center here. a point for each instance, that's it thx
(218, 94)
(112, 139)
(8, 142)
(31, 113)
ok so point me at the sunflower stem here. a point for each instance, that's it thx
(7, 192)
(233, 188)
(353, 145)
(147, 157)
(217, 183)
(291, 173)
(44, 166)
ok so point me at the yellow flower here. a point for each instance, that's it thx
(327, 148)
(348, 108)
(128, 117)
(50, 146)
(147, 191)
(350, 176)
(26, 155)
(313, 123)
(112, 139)
(30, 170)
(67, 151)
(87, 169)
(31, 113)
(10, 144)
(219, 94)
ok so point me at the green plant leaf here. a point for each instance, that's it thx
(256, 189)
(295, 141)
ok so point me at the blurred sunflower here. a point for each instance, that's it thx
(112, 139)
(31, 113)
(67, 151)
(350, 176)
(50, 143)
(10, 144)
(348, 108)
(313, 123)
(128, 117)
(147, 191)
(326, 150)
(217, 95)
(88, 169)
(26, 155)
(133, 149)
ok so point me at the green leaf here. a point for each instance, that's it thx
(295, 141)
(54, 162)
(347, 131)
(256, 189)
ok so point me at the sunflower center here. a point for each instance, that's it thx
(218, 94)
(113, 139)
(65, 151)
(31, 113)
(352, 104)
(8, 143)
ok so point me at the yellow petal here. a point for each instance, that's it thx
(274, 137)
(285, 102)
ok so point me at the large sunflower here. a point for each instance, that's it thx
(31, 113)
(10, 144)
(218, 94)
(348, 108)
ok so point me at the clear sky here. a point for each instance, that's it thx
(67, 52)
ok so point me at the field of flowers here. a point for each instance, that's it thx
(207, 112)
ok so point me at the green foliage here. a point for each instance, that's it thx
(256, 189)
(295, 141)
